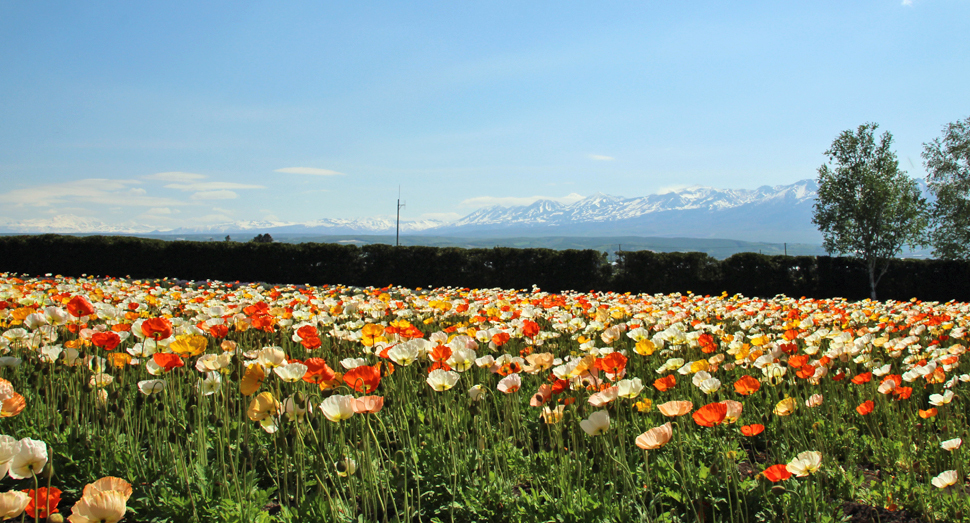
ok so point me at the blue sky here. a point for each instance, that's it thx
(176, 113)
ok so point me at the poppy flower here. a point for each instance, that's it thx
(710, 414)
(78, 307)
(939, 400)
(813, 401)
(317, 371)
(291, 372)
(167, 360)
(440, 353)
(338, 407)
(928, 413)
(666, 383)
(612, 363)
(156, 328)
(656, 437)
(672, 409)
(797, 362)
(746, 385)
(785, 407)
(529, 328)
(442, 380)
(752, 430)
(552, 416)
(597, 423)
(105, 340)
(510, 383)
(149, 387)
(30, 459)
(13, 503)
(368, 404)
(108, 483)
(106, 506)
(604, 397)
(805, 371)
(219, 331)
(43, 502)
(805, 463)
(902, 393)
(189, 345)
(252, 379)
(865, 408)
(859, 379)
(776, 473)
(945, 479)
(951, 444)
(363, 379)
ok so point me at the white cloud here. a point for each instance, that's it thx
(907, 2)
(509, 201)
(601, 158)
(159, 210)
(176, 176)
(212, 186)
(215, 195)
(308, 170)
(99, 191)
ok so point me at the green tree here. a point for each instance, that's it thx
(866, 206)
(947, 162)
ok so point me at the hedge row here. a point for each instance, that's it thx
(379, 265)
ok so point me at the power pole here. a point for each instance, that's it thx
(400, 206)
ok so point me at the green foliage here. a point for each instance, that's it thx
(866, 206)
(947, 162)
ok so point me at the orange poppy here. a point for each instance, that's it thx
(363, 379)
(118, 359)
(752, 430)
(156, 328)
(746, 385)
(666, 383)
(167, 360)
(219, 331)
(776, 473)
(805, 372)
(902, 393)
(78, 306)
(501, 338)
(710, 414)
(797, 361)
(529, 328)
(707, 343)
(105, 340)
(441, 353)
(612, 363)
(865, 377)
(928, 413)
(12, 406)
(41, 501)
(865, 408)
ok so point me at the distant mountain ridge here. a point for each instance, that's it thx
(780, 213)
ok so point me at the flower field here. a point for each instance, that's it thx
(179, 401)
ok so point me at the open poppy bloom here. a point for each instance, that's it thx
(105, 340)
(612, 363)
(510, 383)
(363, 379)
(865, 408)
(805, 463)
(156, 328)
(666, 383)
(928, 413)
(776, 473)
(785, 407)
(672, 409)
(78, 307)
(597, 423)
(710, 414)
(656, 437)
(747, 385)
(13, 503)
(865, 377)
(752, 430)
(368, 404)
(318, 371)
(167, 360)
(42, 502)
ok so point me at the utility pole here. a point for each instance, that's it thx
(786, 248)
(400, 206)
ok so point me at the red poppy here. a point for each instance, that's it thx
(776, 473)
(612, 363)
(796, 362)
(706, 342)
(865, 408)
(363, 379)
(307, 331)
(219, 331)
(665, 383)
(156, 328)
(500, 338)
(859, 379)
(752, 430)
(41, 500)
(902, 393)
(789, 348)
(441, 353)
(264, 323)
(311, 343)
(105, 340)
(747, 385)
(529, 328)
(318, 371)
(167, 360)
(438, 365)
(560, 386)
(806, 371)
(78, 307)
(710, 414)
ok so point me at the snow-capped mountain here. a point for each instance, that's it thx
(780, 213)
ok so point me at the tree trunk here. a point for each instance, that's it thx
(872, 281)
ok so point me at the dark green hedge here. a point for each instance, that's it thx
(551, 270)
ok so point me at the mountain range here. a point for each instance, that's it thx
(780, 213)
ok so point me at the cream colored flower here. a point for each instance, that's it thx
(441, 380)
(945, 479)
(597, 423)
(476, 393)
(338, 408)
(629, 388)
(290, 372)
(13, 503)
(149, 387)
(29, 459)
(951, 444)
(106, 506)
(656, 437)
(805, 463)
